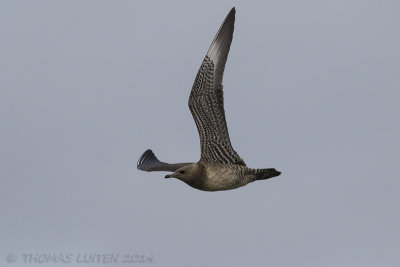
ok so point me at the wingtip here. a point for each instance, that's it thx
(231, 13)
(219, 49)
(148, 155)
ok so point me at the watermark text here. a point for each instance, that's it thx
(80, 258)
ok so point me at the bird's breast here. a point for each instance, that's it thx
(220, 177)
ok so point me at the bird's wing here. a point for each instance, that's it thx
(206, 100)
(150, 163)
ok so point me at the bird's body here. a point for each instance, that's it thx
(220, 167)
(216, 177)
(225, 176)
(230, 176)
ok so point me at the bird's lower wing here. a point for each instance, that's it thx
(149, 162)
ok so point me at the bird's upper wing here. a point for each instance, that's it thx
(206, 100)
(150, 163)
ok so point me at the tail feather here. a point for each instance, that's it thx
(262, 174)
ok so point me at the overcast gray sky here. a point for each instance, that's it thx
(311, 88)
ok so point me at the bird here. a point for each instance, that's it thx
(220, 167)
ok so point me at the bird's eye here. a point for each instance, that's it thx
(182, 172)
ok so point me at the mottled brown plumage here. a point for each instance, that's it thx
(220, 167)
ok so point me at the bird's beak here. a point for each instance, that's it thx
(168, 176)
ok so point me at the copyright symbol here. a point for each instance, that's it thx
(11, 257)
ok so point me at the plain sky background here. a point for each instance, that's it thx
(311, 88)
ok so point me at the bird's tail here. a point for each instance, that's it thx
(262, 174)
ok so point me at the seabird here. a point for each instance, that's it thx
(220, 167)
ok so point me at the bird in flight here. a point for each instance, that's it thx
(220, 167)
